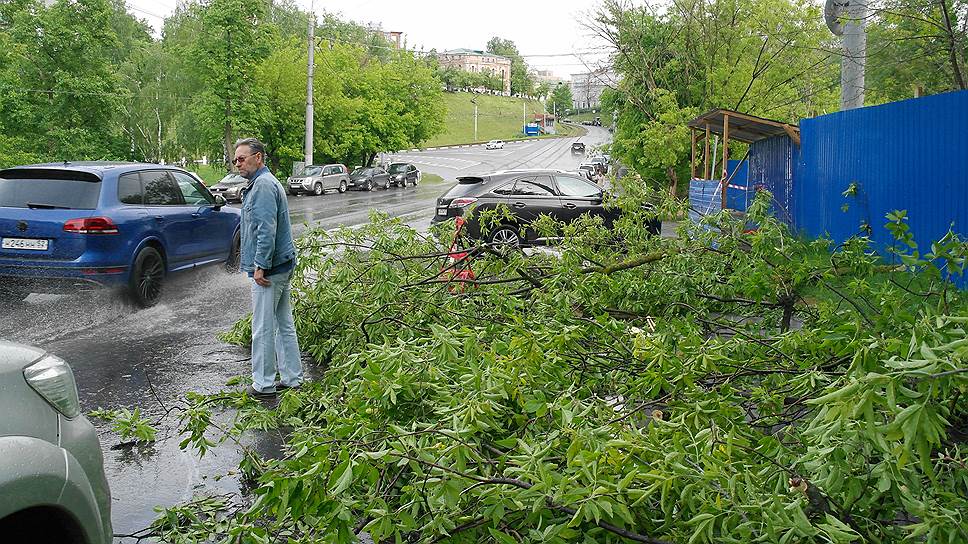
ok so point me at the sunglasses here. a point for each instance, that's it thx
(239, 159)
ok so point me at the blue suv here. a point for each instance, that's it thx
(80, 225)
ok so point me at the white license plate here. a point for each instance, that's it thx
(441, 211)
(25, 243)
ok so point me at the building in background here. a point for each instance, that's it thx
(395, 38)
(587, 87)
(549, 77)
(472, 60)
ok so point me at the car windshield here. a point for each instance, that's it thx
(233, 179)
(26, 189)
(313, 171)
(399, 167)
(360, 172)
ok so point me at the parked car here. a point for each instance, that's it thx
(527, 194)
(600, 163)
(494, 144)
(402, 173)
(80, 225)
(366, 178)
(578, 147)
(52, 479)
(590, 170)
(319, 179)
(233, 187)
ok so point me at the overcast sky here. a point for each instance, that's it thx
(539, 28)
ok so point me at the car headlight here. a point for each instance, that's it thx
(53, 379)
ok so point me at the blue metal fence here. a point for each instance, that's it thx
(772, 166)
(910, 155)
(854, 167)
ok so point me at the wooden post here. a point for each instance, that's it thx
(705, 160)
(722, 188)
(692, 163)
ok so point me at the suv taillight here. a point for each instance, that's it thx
(91, 225)
(462, 202)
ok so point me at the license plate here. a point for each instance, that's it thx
(441, 211)
(25, 243)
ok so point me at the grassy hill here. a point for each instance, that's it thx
(498, 118)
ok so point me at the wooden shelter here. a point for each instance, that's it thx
(731, 125)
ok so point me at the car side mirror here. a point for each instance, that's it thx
(219, 202)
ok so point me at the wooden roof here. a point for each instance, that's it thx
(743, 127)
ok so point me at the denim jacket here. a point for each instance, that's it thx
(266, 232)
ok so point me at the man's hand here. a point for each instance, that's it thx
(260, 277)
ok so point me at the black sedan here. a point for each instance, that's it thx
(367, 178)
(564, 196)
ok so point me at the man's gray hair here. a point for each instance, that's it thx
(254, 144)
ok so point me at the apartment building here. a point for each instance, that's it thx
(472, 60)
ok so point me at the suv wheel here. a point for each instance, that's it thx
(232, 263)
(386, 184)
(318, 189)
(342, 186)
(505, 236)
(147, 277)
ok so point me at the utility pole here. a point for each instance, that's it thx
(848, 20)
(524, 115)
(309, 87)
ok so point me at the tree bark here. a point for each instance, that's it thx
(952, 45)
(673, 181)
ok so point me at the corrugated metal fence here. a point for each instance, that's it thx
(910, 155)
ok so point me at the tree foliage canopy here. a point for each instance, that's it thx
(721, 386)
(85, 80)
(775, 59)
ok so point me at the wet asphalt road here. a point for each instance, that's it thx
(124, 357)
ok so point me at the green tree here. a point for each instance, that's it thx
(60, 94)
(560, 100)
(522, 82)
(231, 42)
(916, 44)
(766, 58)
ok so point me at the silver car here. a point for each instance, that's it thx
(233, 187)
(319, 179)
(52, 483)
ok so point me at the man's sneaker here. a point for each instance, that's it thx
(253, 392)
(283, 387)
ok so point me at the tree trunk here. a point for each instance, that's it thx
(952, 45)
(673, 181)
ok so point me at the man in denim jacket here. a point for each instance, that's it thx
(268, 256)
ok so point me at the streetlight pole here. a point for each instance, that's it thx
(474, 101)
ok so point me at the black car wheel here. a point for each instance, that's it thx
(293, 193)
(235, 254)
(242, 196)
(342, 186)
(369, 185)
(386, 184)
(147, 277)
(506, 237)
(318, 189)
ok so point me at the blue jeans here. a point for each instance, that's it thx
(274, 342)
